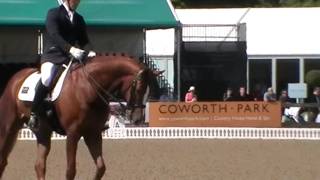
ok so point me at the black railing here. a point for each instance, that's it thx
(213, 32)
(164, 85)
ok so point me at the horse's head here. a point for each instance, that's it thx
(143, 87)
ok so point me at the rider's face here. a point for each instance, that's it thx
(73, 4)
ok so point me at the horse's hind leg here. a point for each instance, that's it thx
(9, 128)
(94, 143)
(72, 146)
(43, 147)
(8, 136)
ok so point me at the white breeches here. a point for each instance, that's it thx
(48, 72)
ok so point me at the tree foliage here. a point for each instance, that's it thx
(244, 3)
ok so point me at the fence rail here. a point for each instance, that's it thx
(197, 133)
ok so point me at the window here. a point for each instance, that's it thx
(259, 76)
(287, 72)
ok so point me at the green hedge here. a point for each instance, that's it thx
(313, 78)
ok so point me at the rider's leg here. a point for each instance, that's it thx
(48, 72)
(40, 94)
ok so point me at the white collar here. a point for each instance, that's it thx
(67, 7)
(70, 13)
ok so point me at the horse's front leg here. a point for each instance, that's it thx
(72, 145)
(94, 143)
(43, 146)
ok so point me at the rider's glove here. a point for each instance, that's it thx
(92, 54)
(77, 53)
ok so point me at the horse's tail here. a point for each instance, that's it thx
(10, 124)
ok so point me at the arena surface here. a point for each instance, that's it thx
(195, 159)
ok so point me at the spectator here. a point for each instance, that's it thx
(284, 98)
(315, 99)
(257, 93)
(310, 114)
(191, 95)
(164, 97)
(269, 96)
(243, 95)
(228, 95)
(316, 96)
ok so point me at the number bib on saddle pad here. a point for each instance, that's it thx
(27, 90)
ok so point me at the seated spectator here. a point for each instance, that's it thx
(269, 96)
(284, 98)
(164, 97)
(315, 99)
(310, 114)
(257, 93)
(191, 95)
(316, 96)
(243, 95)
(228, 95)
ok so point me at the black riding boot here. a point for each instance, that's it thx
(41, 92)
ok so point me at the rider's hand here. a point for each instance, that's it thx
(92, 54)
(76, 52)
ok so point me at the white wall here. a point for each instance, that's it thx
(160, 42)
(270, 31)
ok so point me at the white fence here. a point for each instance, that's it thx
(198, 133)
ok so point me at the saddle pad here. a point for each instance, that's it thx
(27, 90)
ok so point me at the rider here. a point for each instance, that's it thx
(65, 35)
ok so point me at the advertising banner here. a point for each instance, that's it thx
(214, 114)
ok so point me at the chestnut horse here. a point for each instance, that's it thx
(81, 109)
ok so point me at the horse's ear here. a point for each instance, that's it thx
(158, 73)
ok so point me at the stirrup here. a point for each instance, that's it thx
(33, 122)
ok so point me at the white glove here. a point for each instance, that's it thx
(91, 54)
(76, 52)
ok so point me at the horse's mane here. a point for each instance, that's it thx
(106, 58)
(119, 59)
(118, 56)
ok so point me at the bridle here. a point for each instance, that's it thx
(132, 103)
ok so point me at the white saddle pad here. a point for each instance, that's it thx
(27, 90)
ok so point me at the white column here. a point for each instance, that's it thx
(301, 75)
(274, 74)
(40, 42)
(301, 70)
